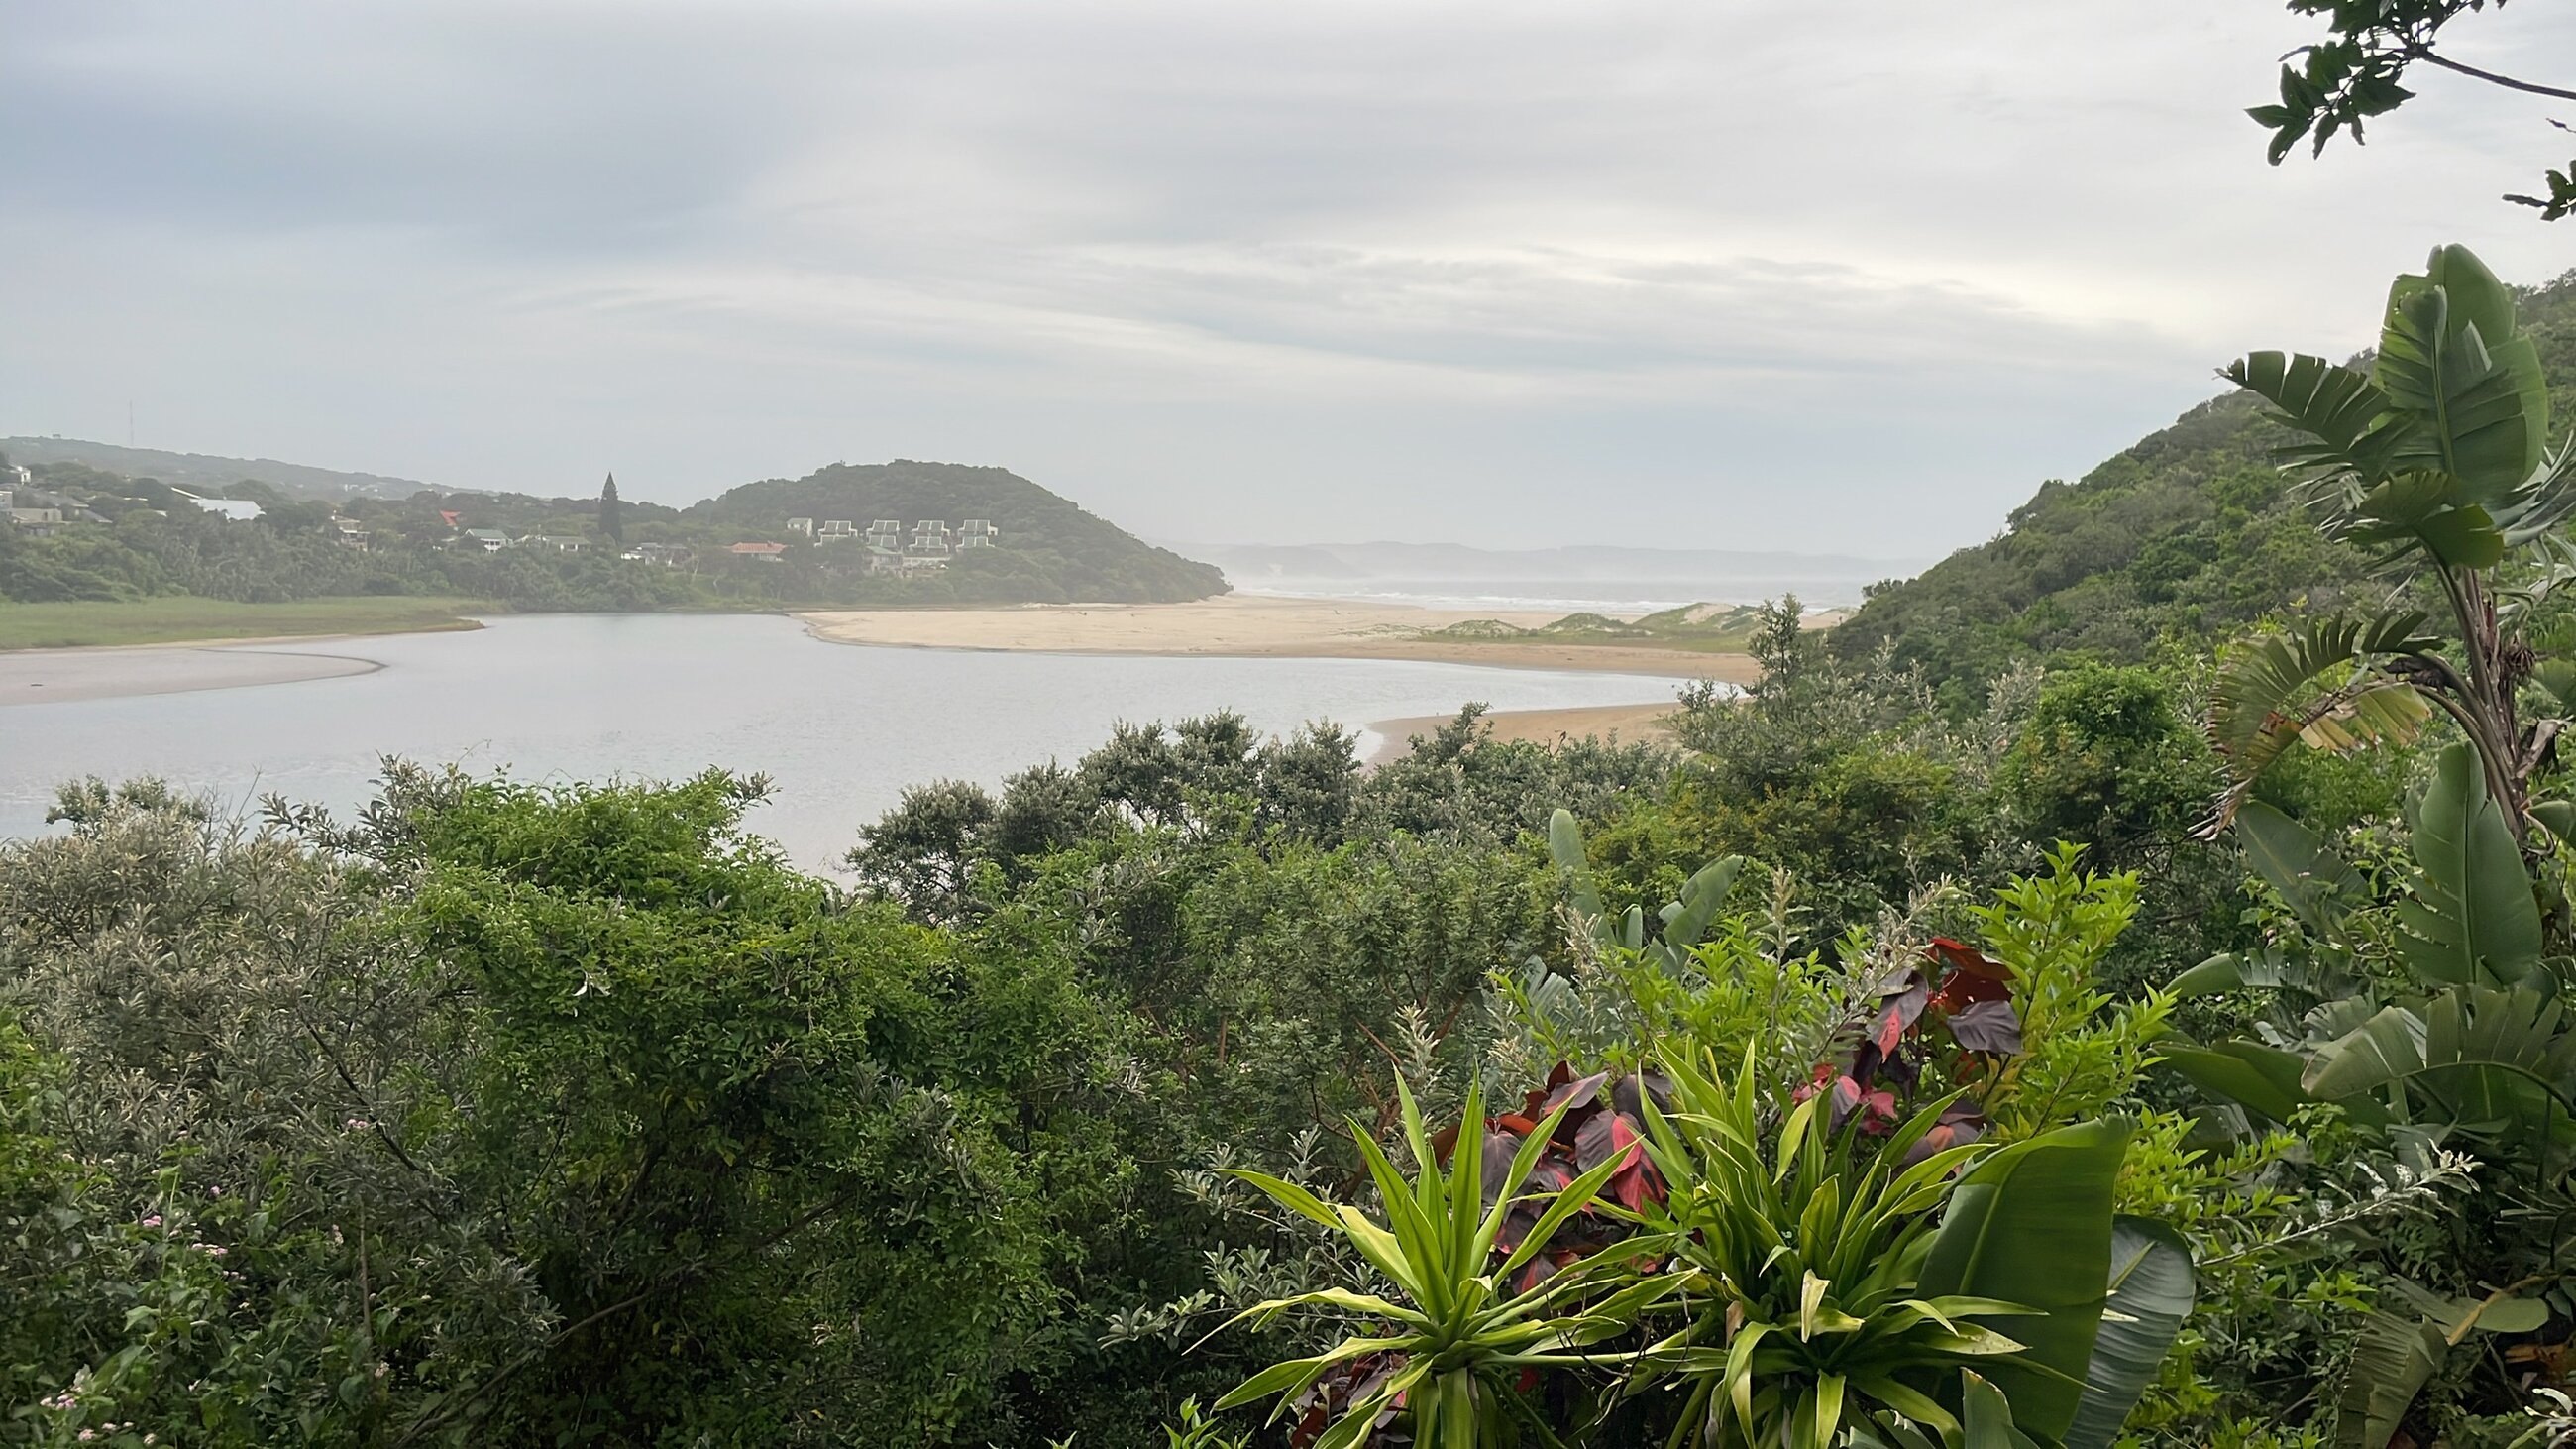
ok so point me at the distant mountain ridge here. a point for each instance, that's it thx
(207, 472)
(1606, 562)
(1583, 577)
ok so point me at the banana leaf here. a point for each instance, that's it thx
(2453, 361)
(2501, 1062)
(2391, 1362)
(1565, 847)
(2337, 407)
(2151, 1292)
(2296, 862)
(2032, 1225)
(2472, 919)
(2263, 1080)
(1688, 919)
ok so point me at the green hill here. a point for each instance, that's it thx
(2189, 535)
(129, 538)
(1052, 549)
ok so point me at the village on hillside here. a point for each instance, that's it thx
(888, 550)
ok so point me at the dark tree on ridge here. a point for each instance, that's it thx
(612, 525)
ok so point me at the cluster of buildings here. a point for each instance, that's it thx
(886, 545)
(34, 510)
(493, 540)
(39, 512)
(931, 544)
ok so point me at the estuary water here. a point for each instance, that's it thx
(840, 729)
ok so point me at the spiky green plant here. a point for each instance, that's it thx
(1844, 1289)
(1452, 1339)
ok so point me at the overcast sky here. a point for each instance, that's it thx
(1819, 274)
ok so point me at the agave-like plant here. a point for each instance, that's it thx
(2437, 459)
(1843, 1289)
(1449, 1357)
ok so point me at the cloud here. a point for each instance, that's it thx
(1797, 272)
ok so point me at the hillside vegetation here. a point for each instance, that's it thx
(1844, 1074)
(130, 538)
(1052, 550)
(2186, 537)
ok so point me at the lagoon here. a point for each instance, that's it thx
(840, 729)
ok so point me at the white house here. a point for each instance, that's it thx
(239, 510)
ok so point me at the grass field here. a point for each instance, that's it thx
(185, 620)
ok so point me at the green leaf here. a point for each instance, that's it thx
(2273, 687)
(2486, 1059)
(2032, 1225)
(1985, 1413)
(2263, 1080)
(1702, 895)
(2338, 408)
(2446, 358)
(1565, 847)
(2391, 1361)
(2294, 861)
(2151, 1293)
(2472, 918)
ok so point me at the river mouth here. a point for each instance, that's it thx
(841, 730)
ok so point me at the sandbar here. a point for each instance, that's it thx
(1256, 626)
(1628, 723)
(57, 676)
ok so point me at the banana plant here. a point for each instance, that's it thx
(1449, 1352)
(1679, 926)
(2474, 1042)
(2437, 460)
(1839, 1294)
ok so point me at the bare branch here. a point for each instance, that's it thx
(2417, 52)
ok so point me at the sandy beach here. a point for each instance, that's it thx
(1629, 723)
(1254, 626)
(53, 676)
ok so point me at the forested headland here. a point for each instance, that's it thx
(127, 538)
(1983, 1032)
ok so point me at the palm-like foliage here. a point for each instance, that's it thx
(1449, 1354)
(2472, 1044)
(1845, 1289)
(2437, 460)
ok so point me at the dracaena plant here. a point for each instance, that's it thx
(1841, 1288)
(2436, 459)
(1448, 1347)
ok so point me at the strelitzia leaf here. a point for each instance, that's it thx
(2151, 1294)
(2473, 918)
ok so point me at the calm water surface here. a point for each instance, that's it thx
(841, 729)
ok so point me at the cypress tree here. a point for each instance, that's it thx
(611, 525)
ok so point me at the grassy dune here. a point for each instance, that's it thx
(182, 620)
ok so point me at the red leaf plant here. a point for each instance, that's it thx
(1958, 997)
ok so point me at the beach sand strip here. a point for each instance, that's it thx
(56, 676)
(1255, 626)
